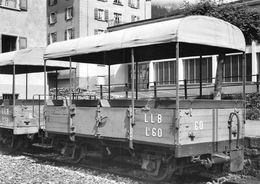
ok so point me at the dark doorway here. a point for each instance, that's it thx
(143, 75)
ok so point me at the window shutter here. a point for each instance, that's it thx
(73, 33)
(138, 4)
(106, 15)
(96, 13)
(22, 43)
(23, 5)
(137, 18)
(49, 19)
(132, 18)
(55, 17)
(66, 13)
(129, 3)
(95, 31)
(48, 39)
(72, 12)
(55, 37)
(65, 35)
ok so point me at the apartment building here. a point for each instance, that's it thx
(23, 25)
(69, 19)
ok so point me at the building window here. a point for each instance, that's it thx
(52, 18)
(135, 18)
(52, 2)
(14, 4)
(117, 18)
(134, 3)
(164, 72)
(101, 15)
(98, 31)
(68, 13)
(22, 43)
(192, 70)
(233, 68)
(52, 37)
(8, 42)
(118, 2)
(69, 34)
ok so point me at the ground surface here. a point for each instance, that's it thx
(23, 170)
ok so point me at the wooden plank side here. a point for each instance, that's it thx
(195, 126)
(57, 123)
(192, 119)
(57, 119)
(154, 126)
(85, 120)
(6, 118)
(117, 122)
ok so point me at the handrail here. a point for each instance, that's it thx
(185, 84)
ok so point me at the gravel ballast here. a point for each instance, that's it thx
(23, 169)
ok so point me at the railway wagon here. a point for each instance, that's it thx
(164, 136)
(22, 117)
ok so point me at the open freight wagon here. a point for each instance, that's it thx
(164, 136)
(22, 117)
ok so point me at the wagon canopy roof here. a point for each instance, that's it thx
(197, 35)
(28, 61)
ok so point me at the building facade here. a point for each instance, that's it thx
(193, 70)
(69, 19)
(23, 25)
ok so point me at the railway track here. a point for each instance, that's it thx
(101, 166)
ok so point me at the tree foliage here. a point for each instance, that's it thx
(242, 16)
(163, 10)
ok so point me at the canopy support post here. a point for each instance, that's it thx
(219, 77)
(109, 77)
(70, 86)
(56, 85)
(177, 114)
(26, 86)
(136, 80)
(109, 81)
(244, 83)
(132, 113)
(200, 77)
(13, 91)
(45, 83)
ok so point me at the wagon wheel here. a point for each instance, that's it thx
(164, 172)
(11, 142)
(80, 153)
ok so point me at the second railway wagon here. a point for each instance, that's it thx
(22, 117)
(164, 136)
